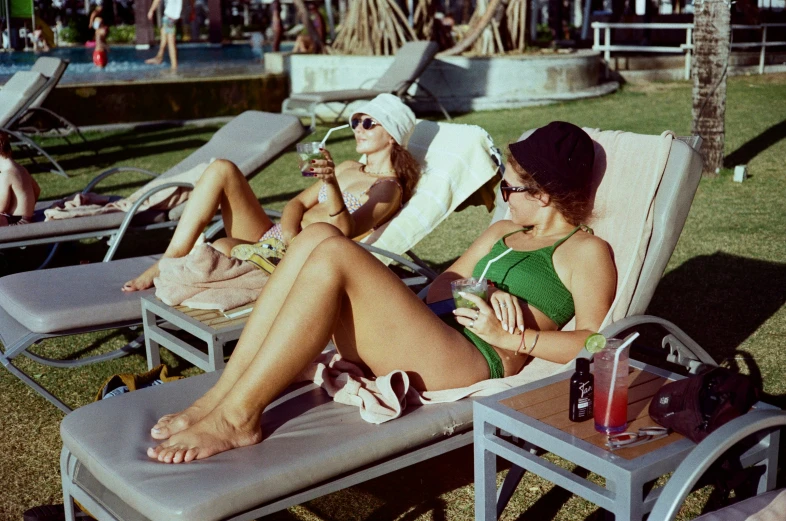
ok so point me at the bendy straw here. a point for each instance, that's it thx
(615, 364)
(324, 139)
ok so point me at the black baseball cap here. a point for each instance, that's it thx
(558, 156)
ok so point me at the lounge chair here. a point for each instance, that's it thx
(61, 307)
(52, 68)
(22, 96)
(410, 62)
(250, 140)
(314, 446)
(751, 427)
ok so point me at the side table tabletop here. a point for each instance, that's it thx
(210, 326)
(537, 413)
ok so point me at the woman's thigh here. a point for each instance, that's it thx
(383, 324)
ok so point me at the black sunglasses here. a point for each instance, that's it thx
(506, 189)
(367, 123)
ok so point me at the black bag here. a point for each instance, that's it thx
(697, 405)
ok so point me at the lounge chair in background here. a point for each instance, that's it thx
(750, 428)
(410, 62)
(314, 446)
(250, 140)
(49, 303)
(22, 96)
(40, 120)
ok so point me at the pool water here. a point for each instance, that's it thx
(128, 63)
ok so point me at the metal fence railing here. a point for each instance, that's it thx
(685, 48)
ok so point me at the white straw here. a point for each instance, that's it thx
(498, 257)
(625, 343)
(324, 139)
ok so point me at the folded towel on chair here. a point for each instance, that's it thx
(208, 279)
(85, 204)
(384, 398)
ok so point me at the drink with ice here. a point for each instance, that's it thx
(611, 416)
(472, 286)
(306, 152)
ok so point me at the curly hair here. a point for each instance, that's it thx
(407, 169)
(574, 206)
(5, 145)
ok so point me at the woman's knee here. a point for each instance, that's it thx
(220, 171)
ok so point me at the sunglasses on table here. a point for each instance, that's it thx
(640, 437)
(366, 123)
(506, 188)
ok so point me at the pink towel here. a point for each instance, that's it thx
(384, 398)
(82, 205)
(208, 279)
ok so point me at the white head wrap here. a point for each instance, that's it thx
(392, 114)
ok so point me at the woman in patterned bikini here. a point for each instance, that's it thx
(353, 197)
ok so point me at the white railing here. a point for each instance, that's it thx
(686, 48)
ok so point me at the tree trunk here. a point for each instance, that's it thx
(145, 32)
(302, 13)
(475, 32)
(711, 40)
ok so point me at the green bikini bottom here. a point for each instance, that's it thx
(496, 368)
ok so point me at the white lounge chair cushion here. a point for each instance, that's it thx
(63, 299)
(770, 506)
(307, 440)
(50, 67)
(457, 160)
(17, 91)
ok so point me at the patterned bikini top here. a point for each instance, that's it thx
(352, 201)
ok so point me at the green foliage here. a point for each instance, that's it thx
(77, 30)
(122, 34)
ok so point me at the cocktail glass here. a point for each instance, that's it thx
(472, 286)
(306, 152)
(611, 398)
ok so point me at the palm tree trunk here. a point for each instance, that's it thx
(711, 40)
(475, 31)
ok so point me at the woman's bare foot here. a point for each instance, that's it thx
(155, 60)
(144, 281)
(171, 424)
(219, 431)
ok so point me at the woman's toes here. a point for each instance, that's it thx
(191, 454)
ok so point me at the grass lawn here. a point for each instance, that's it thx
(725, 286)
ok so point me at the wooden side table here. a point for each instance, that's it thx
(538, 414)
(210, 326)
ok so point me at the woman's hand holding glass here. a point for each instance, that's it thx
(324, 168)
(484, 322)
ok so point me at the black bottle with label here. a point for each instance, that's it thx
(582, 392)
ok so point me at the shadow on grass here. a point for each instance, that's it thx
(755, 146)
(720, 300)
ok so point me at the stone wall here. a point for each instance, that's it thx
(460, 83)
(181, 99)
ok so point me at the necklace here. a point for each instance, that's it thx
(382, 173)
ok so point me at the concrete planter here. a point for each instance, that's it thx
(461, 84)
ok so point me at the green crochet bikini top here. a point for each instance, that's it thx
(530, 276)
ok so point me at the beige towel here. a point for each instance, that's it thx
(82, 205)
(384, 398)
(208, 279)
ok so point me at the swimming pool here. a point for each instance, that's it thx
(126, 63)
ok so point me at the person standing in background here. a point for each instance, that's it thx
(172, 13)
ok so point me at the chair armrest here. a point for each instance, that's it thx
(699, 460)
(112, 171)
(121, 231)
(682, 349)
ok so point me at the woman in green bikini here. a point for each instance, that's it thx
(548, 269)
